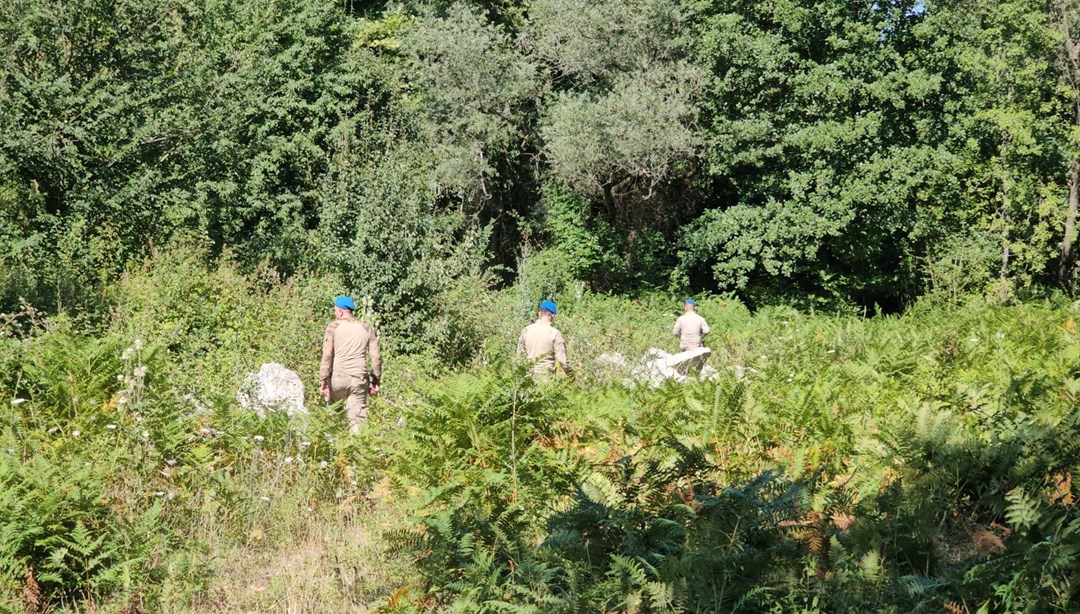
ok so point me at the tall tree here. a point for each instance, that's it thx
(817, 160)
(1008, 124)
(1066, 14)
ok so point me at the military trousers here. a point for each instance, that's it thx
(354, 391)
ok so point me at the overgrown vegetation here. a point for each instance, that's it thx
(913, 463)
(875, 203)
(810, 151)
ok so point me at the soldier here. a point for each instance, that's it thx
(542, 344)
(349, 346)
(690, 327)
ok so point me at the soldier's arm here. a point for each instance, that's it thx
(677, 331)
(521, 344)
(373, 354)
(705, 330)
(327, 364)
(560, 353)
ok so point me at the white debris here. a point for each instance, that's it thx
(273, 388)
(658, 366)
(615, 360)
(742, 373)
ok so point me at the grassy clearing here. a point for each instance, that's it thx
(892, 464)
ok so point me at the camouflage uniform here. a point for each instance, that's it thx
(690, 328)
(543, 345)
(349, 346)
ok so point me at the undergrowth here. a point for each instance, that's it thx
(914, 463)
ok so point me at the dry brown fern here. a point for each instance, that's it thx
(31, 593)
(953, 607)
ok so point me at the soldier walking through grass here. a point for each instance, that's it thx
(350, 368)
(542, 344)
(690, 328)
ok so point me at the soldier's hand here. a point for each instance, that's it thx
(324, 390)
(373, 390)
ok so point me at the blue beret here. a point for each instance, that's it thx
(549, 306)
(690, 301)
(344, 302)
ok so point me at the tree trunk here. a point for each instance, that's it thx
(1004, 216)
(1066, 266)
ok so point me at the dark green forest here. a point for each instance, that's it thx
(857, 154)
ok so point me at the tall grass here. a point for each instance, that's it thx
(922, 462)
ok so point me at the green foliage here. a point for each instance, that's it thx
(476, 87)
(895, 464)
(213, 324)
(836, 463)
(184, 185)
(118, 482)
(386, 238)
(808, 152)
(126, 122)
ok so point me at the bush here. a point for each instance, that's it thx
(213, 324)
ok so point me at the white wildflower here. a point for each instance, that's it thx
(146, 434)
(120, 377)
(288, 460)
(111, 427)
(305, 444)
(126, 355)
(140, 371)
(138, 345)
(264, 498)
(18, 401)
(75, 433)
(831, 352)
(160, 493)
(205, 431)
(258, 438)
(323, 464)
(121, 401)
